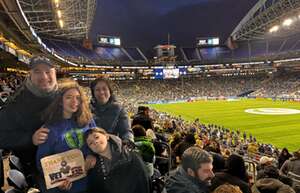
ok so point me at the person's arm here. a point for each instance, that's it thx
(13, 135)
(284, 168)
(91, 176)
(143, 183)
(123, 127)
(45, 149)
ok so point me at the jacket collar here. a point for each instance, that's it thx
(195, 181)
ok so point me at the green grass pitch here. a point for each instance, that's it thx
(279, 130)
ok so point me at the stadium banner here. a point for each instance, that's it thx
(59, 167)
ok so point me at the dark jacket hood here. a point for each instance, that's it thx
(271, 184)
(116, 143)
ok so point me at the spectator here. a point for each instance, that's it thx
(175, 139)
(291, 168)
(269, 182)
(109, 115)
(151, 134)
(213, 146)
(21, 125)
(143, 118)
(194, 173)
(235, 174)
(145, 147)
(189, 141)
(263, 162)
(218, 162)
(269, 171)
(252, 149)
(116, 170)
(67, 118)
(284, 155)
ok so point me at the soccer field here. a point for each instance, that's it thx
(276, 126)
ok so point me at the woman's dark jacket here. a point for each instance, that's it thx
(113, 118)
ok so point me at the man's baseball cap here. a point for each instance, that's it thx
(40, 60)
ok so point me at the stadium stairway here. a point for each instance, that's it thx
(246, 93)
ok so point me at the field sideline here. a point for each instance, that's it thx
(280, 130)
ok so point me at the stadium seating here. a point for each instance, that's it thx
(133, 52)
(191, 54)
(76, 52)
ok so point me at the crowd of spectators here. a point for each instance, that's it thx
(178, 89)
(239, 159)
(138, 91)
(8, 85)
(280, 86)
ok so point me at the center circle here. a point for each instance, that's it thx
(273, 111)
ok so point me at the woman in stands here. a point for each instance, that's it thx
(116, 170)
(235, 174)
(108, 114)
(284, 155)
(67, 118)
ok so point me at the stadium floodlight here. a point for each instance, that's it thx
(287, 22)
(56, 2)
(61, 23)
(274, 29)
(59, 13)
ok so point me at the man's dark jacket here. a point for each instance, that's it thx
(19, 119)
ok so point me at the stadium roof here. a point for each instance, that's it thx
(145, 23)
(269, 18)
(70, 19)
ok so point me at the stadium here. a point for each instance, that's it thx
(234, 93)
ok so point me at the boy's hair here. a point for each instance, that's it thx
(94, 130)
(142, 109)
(139, 131)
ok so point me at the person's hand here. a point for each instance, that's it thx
(40, 136)
(128, 144)
(66, 185)
(90, 162)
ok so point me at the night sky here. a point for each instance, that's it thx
(146, 23)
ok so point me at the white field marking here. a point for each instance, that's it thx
(273, 111)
